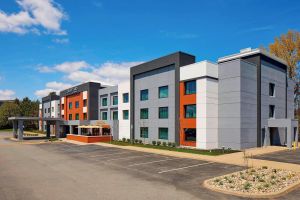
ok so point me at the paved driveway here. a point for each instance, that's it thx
(288, 156)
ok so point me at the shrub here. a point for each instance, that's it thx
(169, 144)
(136, 141)
(247, 186)
(173, 144)
(123, 139)
(261, 180)
(259, 188)
(230, 181)
(158, 143)
(253, 170)
(264, 167)
(273, 182)
(266, 185)
(217, 180)
(141, 141)
(283, 178)
(274, 171)
(220, 183)
(164, 144)
(273, 177)
(128, 140)
(154, 142)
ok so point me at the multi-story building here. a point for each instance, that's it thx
(79, 105)
(114, 108)
(154, 94)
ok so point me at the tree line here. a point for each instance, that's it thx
(24, 107)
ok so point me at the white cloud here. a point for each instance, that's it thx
(34, 15)
(7, 94)
(66, 67)
(52, 87)
(61, 41)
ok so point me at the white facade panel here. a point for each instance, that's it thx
(84, 94)
(124, 124)
(200, 69)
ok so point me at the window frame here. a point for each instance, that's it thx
(70, 117)
(141, 131)
(77, 116)
(70, 105)
(113, 115)
(76, 104)
(159, 90)
(115, 98)
(159, 133)
(272, 90)
(185, 111)
(185, 136)
(127, 97)
(102, 115)
(144, 109)
(102, 98)
(271, 111)
(141, 95)
(185, 87)
(125, 111)
(159, 112)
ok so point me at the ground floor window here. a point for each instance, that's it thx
(115, 115)
(104, 116)
(163, 133)
(144, 132)
(77, 116)
(84, 116)
(189, 134)
(70, 116)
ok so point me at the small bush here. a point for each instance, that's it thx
(169, 144)
(173, 144)
(283, 178)
(217, 180)
(154, 142)
(273, 177)
(158, 143)
(136, 141)
(274, 171)
(253, 170)
(273, 182)
(230, 181)
(247, 186)
(141, 141)
(164, 144)
(264, 167)
(128, 140)
(220, 183)
(123, 139)
(261, 180)
(259, 188)
(266, 185)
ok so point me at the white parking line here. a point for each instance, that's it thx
(107, 155)
(136, 164)
(176, 169)
(126, 158)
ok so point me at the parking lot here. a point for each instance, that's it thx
(68, 171)
(288, 156)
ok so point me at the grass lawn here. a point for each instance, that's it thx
(6, 130)
(213, 152)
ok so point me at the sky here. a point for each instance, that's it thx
(50, 45)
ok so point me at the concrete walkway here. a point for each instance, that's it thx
(233, 158)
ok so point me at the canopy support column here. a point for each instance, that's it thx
(20, 129)
(15, 129)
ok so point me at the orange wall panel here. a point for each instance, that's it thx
(73, 98)
(186, 122)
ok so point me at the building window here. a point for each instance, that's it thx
(190, 87)
(76, 104)
(144, 95)
(163, 92)
(48, 110)
(144, 132)
(77, 116)
(70, 116)
(125, 98)
(52, 109)
(45, 110)
(144, 113)
(190, 134)
(84, 116)
(163, 112)
(115, 100)
(115, 115)
(63, 116)
(271, 111)
(104, 116)
(271, 89)
(125, 114)
(62, 106)
(84, 103)
(163, 133)
(70, 105)
(190, 111)
(104, 101)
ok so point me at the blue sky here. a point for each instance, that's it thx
(50, 44)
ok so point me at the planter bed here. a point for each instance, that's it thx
(261, 182)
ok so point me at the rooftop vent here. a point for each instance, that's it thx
(245, 50)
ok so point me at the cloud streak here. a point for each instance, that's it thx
(35, 16)
(7, 94)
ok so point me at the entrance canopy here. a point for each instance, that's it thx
(19, 121)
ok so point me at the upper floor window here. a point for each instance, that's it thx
(52, 109)
(104, 116)
(163, 112)
(190, 111)
(104, 101)
(77, 116)
(84, 103)
(144, 113)
(125, 98)
(70, 105)
(163, 92)
(45, 110)
(77, 104)
(115, 100)
(84, 116)
(115, 115)
(125, 114)
(271, 111)
(190, 87)
(271, 89)
(144, 95)
(48, 110)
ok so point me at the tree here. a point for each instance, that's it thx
(8, 109)
(287, 47)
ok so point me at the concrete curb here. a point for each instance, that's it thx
(245, 195)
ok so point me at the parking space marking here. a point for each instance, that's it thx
(176, 169)
(130, 157)
(156, 161)
(107, 155)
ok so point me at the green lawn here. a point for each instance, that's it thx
(6, 130)
(213, 152)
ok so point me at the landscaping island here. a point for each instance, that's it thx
(261, 182)
(171, 147)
